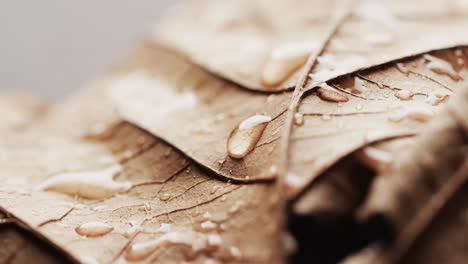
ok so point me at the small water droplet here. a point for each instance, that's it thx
(215, 240)
(359, 107)
(147, 206)
(93, 229)
(404, 95)
(326, 117)
(458, 52)
(460, 61)
(441, 67)
(222, 227)
(298, 119)
(274, 170)
(402, 68)
(207, 215)
(235, 252)
(92, 184)
(293, 182)
(244, 138)
(284, 60)
(236, 207)
(165, 196)
(359, 86)
(165, 228)
(134, 228)
(220, 116)
(208, 225)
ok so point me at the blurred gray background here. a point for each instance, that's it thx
(52, 47)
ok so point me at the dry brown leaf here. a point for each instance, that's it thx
(244, 40)
(422, 196)
(166, 189)
(240, 135)
(209, 109)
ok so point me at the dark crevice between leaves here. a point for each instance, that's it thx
(20, 246)
(327, 236)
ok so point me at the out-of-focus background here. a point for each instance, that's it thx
(53, 47)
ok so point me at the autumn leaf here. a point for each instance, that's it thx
(422, 197)
(197, 145)
(248, 41)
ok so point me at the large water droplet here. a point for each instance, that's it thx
(244, 138)
(284, 60)
(331, 95)
(417, 113)
(93, 229)
(91, 184)
(141, 250)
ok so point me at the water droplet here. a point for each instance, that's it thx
(274, 170)
(141, 250)
(235, 252)
(244, 138)
(293, 182)
(436, 98)
(378, 155)
(93, 229)
(331, 95)
(421, 114)
(127, 154)
(165, 196)
(236, 207)
(359, 86)
(402, 68)
(91, 184)
(134, 228)
(165, 228)
(404, 95)
(441, 67)
(220, 116)
(458, 52)
(215, 240)
(284, 60)
(298, 119)
(208, 225)
(326, 117)
(460, 61)
(359, 107)
(207, 215)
